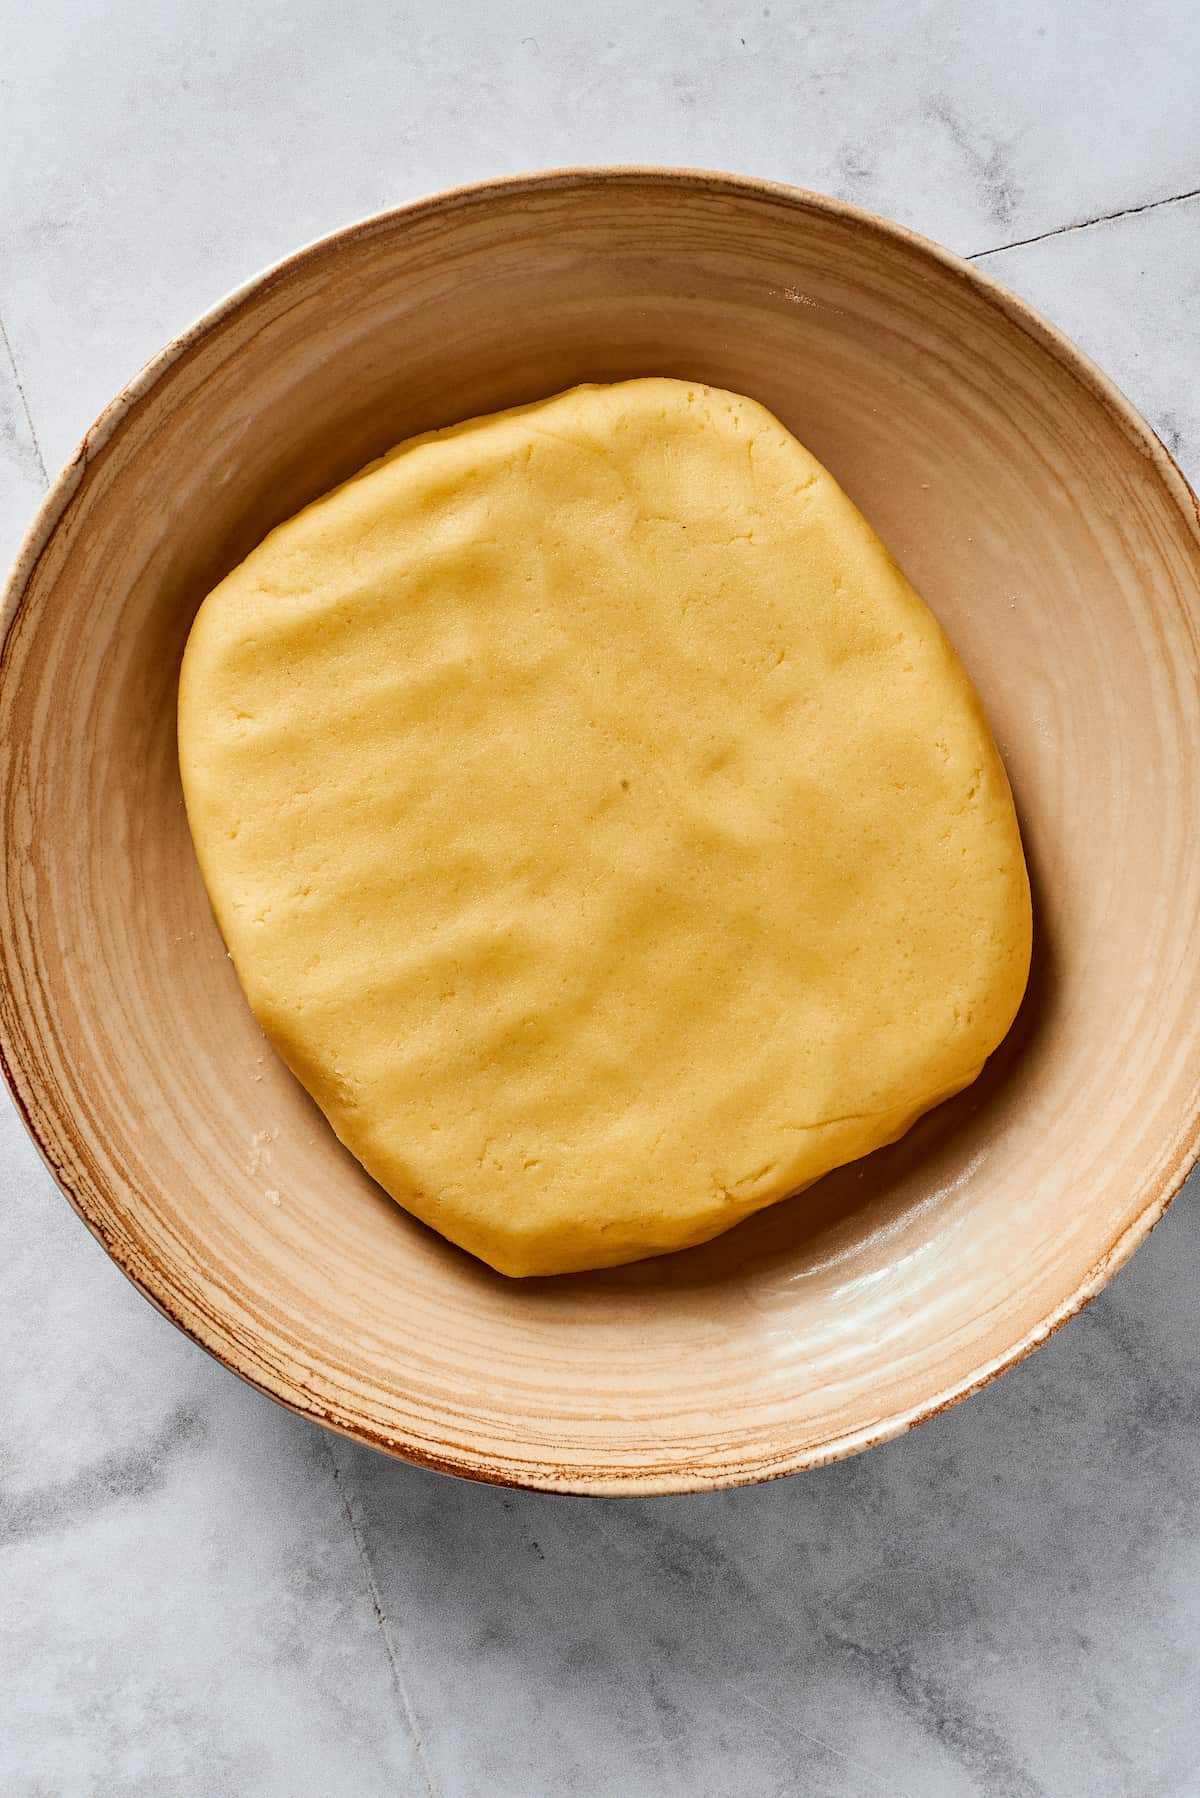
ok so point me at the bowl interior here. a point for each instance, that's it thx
(1051, 537)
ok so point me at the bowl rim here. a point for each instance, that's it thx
(767, 1463)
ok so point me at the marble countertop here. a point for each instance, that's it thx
(199, 1593)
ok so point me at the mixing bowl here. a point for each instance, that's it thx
(1051, 534)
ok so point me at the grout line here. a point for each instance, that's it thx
(1101, 218)
(33, 436)
(410, 1716)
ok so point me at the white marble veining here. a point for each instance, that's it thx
(201, 1595)
(184, 1608)
(22, 471)
(156, 154)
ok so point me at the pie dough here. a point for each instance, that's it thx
(601, 827)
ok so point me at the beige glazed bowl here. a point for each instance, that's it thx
(1053, 537)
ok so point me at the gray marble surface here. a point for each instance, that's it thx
(201, 1595)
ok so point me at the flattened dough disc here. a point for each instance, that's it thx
(601, 827)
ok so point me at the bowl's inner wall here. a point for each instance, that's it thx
(1059, 561)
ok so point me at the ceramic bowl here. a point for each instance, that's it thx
(1049, 531)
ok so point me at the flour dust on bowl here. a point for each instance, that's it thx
(1059, 548)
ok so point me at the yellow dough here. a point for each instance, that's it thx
(602, 829)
